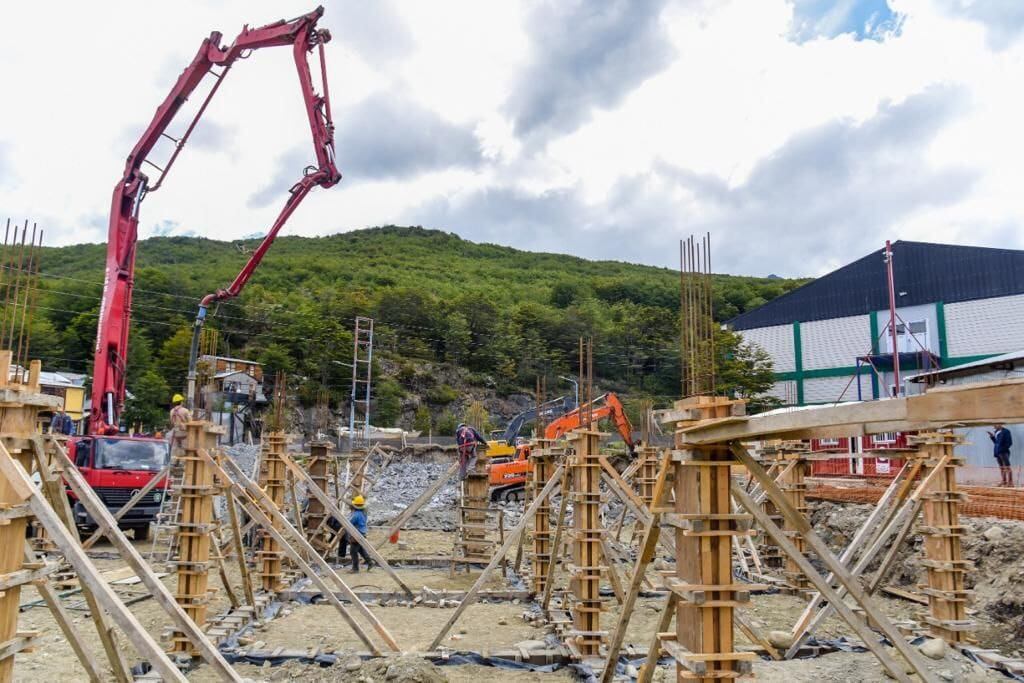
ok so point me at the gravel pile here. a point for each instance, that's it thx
(402, 483)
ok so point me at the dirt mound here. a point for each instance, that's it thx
(995, 546)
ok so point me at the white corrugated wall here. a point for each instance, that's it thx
(985, 326)
(777, 341)
(829, 389)
(835, 343)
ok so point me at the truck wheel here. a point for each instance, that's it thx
(141, 533)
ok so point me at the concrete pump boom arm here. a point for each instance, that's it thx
(111, 352)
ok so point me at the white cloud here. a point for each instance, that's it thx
(655, 120)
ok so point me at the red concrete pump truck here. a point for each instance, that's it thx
(118, 466)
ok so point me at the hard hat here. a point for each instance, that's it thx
(178, 398)
(358, 502)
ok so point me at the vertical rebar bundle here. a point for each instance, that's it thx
(207, 370)
(697, 328)
(19, 278)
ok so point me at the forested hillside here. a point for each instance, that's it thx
(450, 316)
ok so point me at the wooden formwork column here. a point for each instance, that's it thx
(273, 483)
(473, 543)
(767, 550)
(703, 645)
(794, 486)
(316, 514)
(587, 535)
(195, 525)
(357, 464)
(942, 531)
(20, 405)
(647, 476)
(543, 467)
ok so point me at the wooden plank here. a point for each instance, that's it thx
(800, 523)
(865, 531)
(907, 509)
(53, 490)
(405, 515)
(127, 507)
(98, 511)
(251, 496)
(471, 596)
(556, 546)
(332, 510)
(652, 529)
(981, 403)
(87, 573)
(23, 576)
(63, 619)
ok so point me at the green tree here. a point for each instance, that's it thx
(388, 406)
(446, 424)
(173, 358)
(421, 421)
(745, 371)
(147, 405)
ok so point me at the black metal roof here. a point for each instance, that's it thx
(924, 273)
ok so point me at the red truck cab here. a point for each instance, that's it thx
(116, 467)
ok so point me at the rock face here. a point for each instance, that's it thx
(994, 534)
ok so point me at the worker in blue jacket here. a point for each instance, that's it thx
(1001, 443)
(358, 519)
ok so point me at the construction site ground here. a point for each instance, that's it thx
(483, 627)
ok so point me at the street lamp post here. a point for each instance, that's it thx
(576, 387)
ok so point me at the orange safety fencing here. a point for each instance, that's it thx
(984, 496)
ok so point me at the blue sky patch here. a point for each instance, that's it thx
(864, 19)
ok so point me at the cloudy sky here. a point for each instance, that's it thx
(800, 133)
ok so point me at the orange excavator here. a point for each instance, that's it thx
(508, 475)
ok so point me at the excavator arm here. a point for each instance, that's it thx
(213, 60)
(605, 406)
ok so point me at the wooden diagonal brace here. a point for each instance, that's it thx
(802, 526)
(127, 507)
(98, 511)
(19, 481)
(332, 510)
(398, 522)
(262, 508)
(470, 597)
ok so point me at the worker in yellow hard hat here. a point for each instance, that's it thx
(180, 417)
(358, 519)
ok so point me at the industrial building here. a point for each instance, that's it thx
(830, 340)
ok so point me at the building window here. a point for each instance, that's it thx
(884, 437)
(828, 442)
